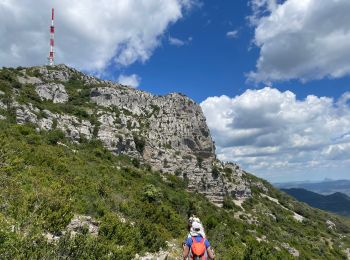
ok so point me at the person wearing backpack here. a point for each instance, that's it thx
(197, 247)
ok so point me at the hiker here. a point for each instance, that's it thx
(191, 220)
(196, 246)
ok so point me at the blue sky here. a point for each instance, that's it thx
(272, 76)
(212, 63)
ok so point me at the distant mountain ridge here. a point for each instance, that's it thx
(337, 202)
(325, 187)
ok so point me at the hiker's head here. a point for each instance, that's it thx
(196, 227)
(193, 219)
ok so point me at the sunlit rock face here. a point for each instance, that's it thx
(167, 132)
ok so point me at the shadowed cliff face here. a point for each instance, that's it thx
(168, 132)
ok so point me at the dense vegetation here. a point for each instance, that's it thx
(45, 180)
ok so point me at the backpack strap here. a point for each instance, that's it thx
(195, 241)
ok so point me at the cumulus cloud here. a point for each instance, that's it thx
(261, 8)
(268, 131)
(89, 34)
(232, 34)
(129, 80)
(303, 40)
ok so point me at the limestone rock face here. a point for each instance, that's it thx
(26, 114)
(54, 92)
(331, 225)
(73, 127)
(70, 125)
(167, 132)
(172, 121)
(2, 105)
(60, 73)
(29, 80)
(177, 139)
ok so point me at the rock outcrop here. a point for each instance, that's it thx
(78, 225)
(29, 80)
(54, 92)
(291, 250)
(2, 106)
(79, 222)
(168, 132)
(173, 252)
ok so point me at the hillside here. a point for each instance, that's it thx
(337, 202)
(92, 169)
(325, 187)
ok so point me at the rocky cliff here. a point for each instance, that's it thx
(167, 132)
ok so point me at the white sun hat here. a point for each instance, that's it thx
(197, 229)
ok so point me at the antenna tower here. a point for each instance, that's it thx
(52, 39)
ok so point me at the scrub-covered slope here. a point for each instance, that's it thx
(84, 178)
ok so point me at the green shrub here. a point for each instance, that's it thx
(55, 136)
(136, 162)
(7, 75)
(199, 161)
(187, 157)
(228, 203)
(215, 172)
(140, 144)
(178, 172)
(151, 194)
(228, 170)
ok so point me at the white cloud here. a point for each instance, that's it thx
(232, 34)
(129, 80)
(268, 131)
(178, 42)
(89, 34)
(305, 40)
(261, 8)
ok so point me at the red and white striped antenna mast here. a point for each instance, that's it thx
(52, 39)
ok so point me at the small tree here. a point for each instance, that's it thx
(140, 144)
(151, 193)
(55, 136)
(215, 172)
(199, 161)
